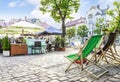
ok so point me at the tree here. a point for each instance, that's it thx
(71, 32)
(82, 31)
(60, 10)
(115, 14)
(99, 26)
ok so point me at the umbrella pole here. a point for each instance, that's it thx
(22, 32)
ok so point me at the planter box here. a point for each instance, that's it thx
(18, 49)
(61, 49)
(6, 53)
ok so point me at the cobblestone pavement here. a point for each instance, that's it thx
(49, 67)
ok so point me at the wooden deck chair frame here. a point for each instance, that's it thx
(109, 51)
(81, 65)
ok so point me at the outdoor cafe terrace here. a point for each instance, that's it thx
(30, 61)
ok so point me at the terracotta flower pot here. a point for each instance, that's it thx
(61, 49)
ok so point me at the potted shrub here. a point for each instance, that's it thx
(62, 48)
(1, 45)
(57, 43)
(6, 46)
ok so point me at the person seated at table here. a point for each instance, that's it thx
(29, 38)
(18, 40)
(12, 39)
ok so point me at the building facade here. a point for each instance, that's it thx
(95, 13)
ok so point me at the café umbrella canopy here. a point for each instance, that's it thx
(24, 25)
(50, 31)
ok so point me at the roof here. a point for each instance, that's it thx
(25, 24)
(45, 25)
(93, 7)
(103, 11)
(97, 14)
(75, 22)
(2, 24)
(50, 31)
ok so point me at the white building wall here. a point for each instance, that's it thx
(91, 22)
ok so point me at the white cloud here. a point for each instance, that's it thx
(38, 14)
(12, 4)
(75, 15)
(34, 2)
(44, 17)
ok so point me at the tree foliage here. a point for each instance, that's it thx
(6, 43)
(115, 14)
(71, 32)
(60, 10)
(82, 30)
(99, 25)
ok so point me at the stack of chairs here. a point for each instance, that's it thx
(108, 51)
(37, 47)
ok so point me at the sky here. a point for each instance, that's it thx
(30, 8)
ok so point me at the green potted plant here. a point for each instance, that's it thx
(1, 45)
(57, 43)
(62, 41)
(6, 46)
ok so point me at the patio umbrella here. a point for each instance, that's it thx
(50, 31)
(24, 25)
(27, 34)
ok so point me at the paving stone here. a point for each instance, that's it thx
(65, 81)
(84, 79)
(102, 79)
(71, 76)
(24, 79)
(117, 76)
(6, 78)
(34, 80)
(108, 81)
(54, 81)
(60, 75)
(119, 73)
(45, 80)
(52, 76)
(89, 80)
(55, 77)
(72, 81)
(30, 69)
(114, 79)
(63, 78)
(33, 77)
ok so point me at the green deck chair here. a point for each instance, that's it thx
(91, 44)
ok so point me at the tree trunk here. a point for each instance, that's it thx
(63, 30)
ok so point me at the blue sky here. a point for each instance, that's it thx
(21, 8)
